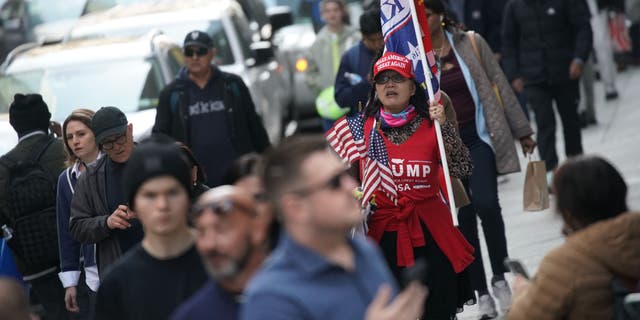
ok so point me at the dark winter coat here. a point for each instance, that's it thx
(245, 127)
(89, 213)
(540, 39)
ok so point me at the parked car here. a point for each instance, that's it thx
(23, 21)
(126, 72)
(226, 23)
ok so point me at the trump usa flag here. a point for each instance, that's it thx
(400, 36)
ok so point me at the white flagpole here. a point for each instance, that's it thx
(427, 76)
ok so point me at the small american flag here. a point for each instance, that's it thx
(377, 172)
(346, 137)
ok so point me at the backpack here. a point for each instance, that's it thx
(31, 213)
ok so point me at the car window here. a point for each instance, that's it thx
(175, 59)
(101, 5)
(129, 84)
(8, 87)
(11, 10)
(42, 11)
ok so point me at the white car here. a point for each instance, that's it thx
(127, 73)
(239, 49)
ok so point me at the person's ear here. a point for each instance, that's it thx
(413, 88)
(292, 208)
(194, 175)
(261, 223)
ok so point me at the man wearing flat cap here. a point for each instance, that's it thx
(164, 269)
(100, 211)
(210, 111)
(35, 246)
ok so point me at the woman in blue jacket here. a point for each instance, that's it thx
(74, 256)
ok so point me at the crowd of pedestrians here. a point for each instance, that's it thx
(206, 219)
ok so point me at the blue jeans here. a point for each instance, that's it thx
(482, 188)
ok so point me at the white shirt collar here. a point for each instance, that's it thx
(31, 134)
(75, 169)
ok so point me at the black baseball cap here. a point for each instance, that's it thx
(108, 121)
(199, 39)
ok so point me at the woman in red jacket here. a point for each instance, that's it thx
(411, 218)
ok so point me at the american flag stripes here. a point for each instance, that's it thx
(377, 172)
(346, 137)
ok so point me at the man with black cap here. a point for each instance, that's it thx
(209, 110)
(99, 210)
(156, 275)
(24, 204)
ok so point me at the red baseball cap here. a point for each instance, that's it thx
(393, 61)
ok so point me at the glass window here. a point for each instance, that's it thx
(42, 11)
(175, 59)
(11, 10)
(131, 85)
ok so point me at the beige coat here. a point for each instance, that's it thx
(504, 124)
(574, 280)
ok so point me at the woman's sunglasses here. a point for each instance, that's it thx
(396, 78)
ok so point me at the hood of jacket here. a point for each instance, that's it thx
(614, 243)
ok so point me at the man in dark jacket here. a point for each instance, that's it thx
(481, 16)
(210, 111)
(352, 85)
(100, 212)
(545, 44)
(29, 116)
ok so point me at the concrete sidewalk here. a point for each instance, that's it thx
(616, 137)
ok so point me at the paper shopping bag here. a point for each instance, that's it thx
(536, 192)
(459, 193)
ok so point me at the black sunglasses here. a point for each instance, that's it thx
(396, 78)
(222, 208)
(333, 183)
(120, 140)
(200, 51)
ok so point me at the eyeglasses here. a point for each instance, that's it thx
(396, 78)
(223, 207)
(120, 140)
(334, 183)
(199, 52)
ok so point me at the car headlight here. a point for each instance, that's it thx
(302, 64)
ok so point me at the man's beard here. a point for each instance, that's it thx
(233, 267)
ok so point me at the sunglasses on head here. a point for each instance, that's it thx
(223, 207)
(383, 79)
(199, 51)
(333, 183)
